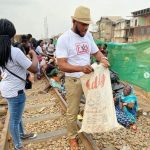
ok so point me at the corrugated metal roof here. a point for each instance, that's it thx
(113, 18)
(141, 12)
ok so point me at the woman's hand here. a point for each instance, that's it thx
(130, 105)
(124, 104)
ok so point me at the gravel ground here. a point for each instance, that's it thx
(41, 111)
(58, 144)
(2, 121)
(136, 141)
(2, 117)
(46, 126)
(39, 98)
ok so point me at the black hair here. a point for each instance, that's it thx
(34, 42)
(7, 31)
(51, 40)
(99, 44)
(29, 36)
(105, 45)
(15, 44)
(39, 42)
(24, 39)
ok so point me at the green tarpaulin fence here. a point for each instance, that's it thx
(131, 62)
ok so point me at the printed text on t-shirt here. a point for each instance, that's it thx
(82, 48)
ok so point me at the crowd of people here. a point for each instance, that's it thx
(73, 55)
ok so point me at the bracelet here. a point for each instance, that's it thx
(104, 58)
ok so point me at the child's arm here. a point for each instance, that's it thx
(122, 105)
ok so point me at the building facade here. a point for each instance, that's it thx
(117, 29)
(121, 31)
(106, 27)
(140, 24)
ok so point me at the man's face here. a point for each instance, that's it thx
(81, 28)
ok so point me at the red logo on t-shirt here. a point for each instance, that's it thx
(82, 48)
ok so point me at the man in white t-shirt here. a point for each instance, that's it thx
(51, 47)
(73, 51)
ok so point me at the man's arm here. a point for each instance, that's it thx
(66, 67)
(101, 58)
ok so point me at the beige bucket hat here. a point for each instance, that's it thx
(82, 14)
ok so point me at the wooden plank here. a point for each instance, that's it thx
(62, 101)
(87, 139)
(4, 137)
(38, 106)
(42, 117)
(48, 135)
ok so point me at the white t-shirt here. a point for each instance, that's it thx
(10, 85)
(45, 46)
(76, 49)
(51, 47)
(39, 50)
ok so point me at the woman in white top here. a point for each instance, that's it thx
(13, 61)
(39, 48)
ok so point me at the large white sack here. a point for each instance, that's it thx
(99, 114)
